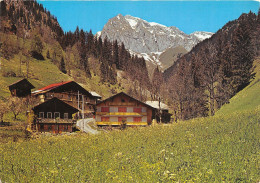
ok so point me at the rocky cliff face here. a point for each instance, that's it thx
(148, 38)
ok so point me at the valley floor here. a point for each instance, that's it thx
(224, 147)
(219, 148)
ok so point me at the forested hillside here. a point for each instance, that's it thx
(216, 69)
(34, 46)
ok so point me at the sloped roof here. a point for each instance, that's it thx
(50, 87)
(21, 83)
(155, 104)
(95, 94)
(54, 103)
(72, 85)
(122, 93)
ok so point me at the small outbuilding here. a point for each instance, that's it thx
(54, 116)
(21, 88)
(160, 111)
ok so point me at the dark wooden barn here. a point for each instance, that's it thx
(54, 116)
(21, 88)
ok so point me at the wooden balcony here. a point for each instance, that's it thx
(121, 114)
(108, 123)
(122, 104)
(47, 120)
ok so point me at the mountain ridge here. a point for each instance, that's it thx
(147, 39)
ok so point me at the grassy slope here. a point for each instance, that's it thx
(169, 56)
(248, 98)
(42, 73)
(223, 148)
(213, 149)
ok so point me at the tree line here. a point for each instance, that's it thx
(216, 69)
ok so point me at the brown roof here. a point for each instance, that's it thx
(67, 85)
(21, 83)
(52, 102)
(122, 93)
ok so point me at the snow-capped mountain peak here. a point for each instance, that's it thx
(146, 38)
(201, 35)
(132, 21)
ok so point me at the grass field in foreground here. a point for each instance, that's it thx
(222, 148)
(225, 148)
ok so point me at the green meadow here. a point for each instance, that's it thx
(222, 148)
(44, 72)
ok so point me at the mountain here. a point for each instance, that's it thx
(148, 39)
(216, 69)
(170, 55)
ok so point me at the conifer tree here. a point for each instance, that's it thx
(77, 33)
(3, 11)
(116, 54)
(104, 70)
(99, 46)
(62, 66)
(90, 42)
(48, 54)
(242, 56)
(157, 81)
(122, 65)
(106, 51)
(83, 54)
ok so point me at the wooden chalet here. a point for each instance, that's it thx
(160, 111)
(54, 116)
(71, 93)
(123, 108)
(21, 88)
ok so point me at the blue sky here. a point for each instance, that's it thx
(188, 16)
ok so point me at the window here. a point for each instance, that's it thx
(66, 115)
(138, 109)
(56, 115)
(120, 119)
(42, 126)
(137, 119)
(49, 95)
(104, 119)
(121, 109)
(66, 127)
(69, 97)
(104, 109)
(41, 114)
(50, 127)
(122, 100)
(49, 115)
